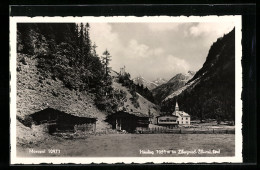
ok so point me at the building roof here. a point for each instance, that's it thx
(76, 114)
(182, 113)
(167, 123)
(167, 115)
(44, 114)
(72, 111)
(137, 114)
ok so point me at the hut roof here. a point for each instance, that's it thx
(139, 114)
(68, 111)
(61, 112)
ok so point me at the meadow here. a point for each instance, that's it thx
(135, 145)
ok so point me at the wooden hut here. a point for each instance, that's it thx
(128, 121)
(59, 121)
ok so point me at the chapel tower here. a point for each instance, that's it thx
(176, 107)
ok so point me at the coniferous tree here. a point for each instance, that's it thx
(93, 50)
(81, 38)
(87, 39)
(106, 59)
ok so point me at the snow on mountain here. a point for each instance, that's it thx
(172, 86)
(149, 84)
(159, 81)
(180, 90)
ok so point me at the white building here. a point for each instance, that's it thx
(183, 117)
(167, 120)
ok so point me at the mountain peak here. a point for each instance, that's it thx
(174, 84)
(149, 84)
(182, 77)
(159, 81)
(191, 72)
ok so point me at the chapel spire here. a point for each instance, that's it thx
(176, 106)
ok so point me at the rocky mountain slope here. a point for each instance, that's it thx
(144, 104)
(179, 90)
(211, 91)
(149, 84)
(145, 83)
(172, 87)
(159, 81)
(36, 92)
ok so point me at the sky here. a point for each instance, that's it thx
(157, 50)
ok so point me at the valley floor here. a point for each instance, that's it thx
(130, 145)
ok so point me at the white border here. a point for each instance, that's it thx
(87, 160)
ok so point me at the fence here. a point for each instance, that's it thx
(157, 130)
(185, 131)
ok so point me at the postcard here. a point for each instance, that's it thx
(125, 89)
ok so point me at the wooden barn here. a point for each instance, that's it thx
(59, 121)
(128, 121)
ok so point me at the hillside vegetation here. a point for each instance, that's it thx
(58, 67)
(36, 92)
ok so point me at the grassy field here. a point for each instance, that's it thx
(129, 145)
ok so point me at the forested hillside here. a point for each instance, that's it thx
(212, 90)
(65, 52)
(57, 63)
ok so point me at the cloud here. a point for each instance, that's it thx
(163, 26)
(137, 50)
(175, 64)
(102, 35)
(165, 66)
(195, 31)
(219, 29)
(139, 58)
(207, 33)
(128, 54)
(161, 54)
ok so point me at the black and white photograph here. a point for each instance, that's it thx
(126, 89)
